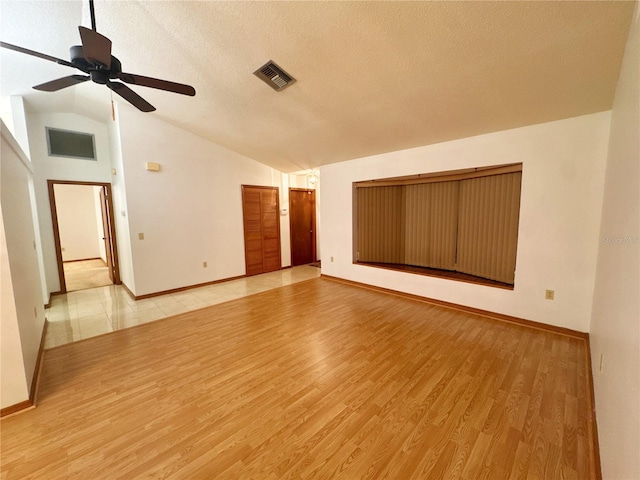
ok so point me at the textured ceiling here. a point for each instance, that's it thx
(372, 77)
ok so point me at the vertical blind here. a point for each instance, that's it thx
(431, 222)
(381, 224)
(468, 225)
(488, 226)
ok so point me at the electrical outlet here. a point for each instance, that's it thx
(549, 294)
(204, 264)
(141, 236)
(331, 259)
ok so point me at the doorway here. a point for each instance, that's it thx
(302, 220)
(261, 218)
(84, 234)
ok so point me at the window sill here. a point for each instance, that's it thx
(434, 272)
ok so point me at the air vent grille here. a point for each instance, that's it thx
(274, 76)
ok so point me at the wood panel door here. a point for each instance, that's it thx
(261, 214)
(302, 220)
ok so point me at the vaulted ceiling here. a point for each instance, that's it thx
(372, 77)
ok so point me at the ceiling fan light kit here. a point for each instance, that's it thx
(94, 59)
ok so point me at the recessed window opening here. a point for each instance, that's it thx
(66, 143)
(460, 224)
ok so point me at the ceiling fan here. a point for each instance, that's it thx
(94, 58)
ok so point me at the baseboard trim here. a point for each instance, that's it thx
(35, 381)
(189, 287)
(83, 260)
(128, 290)
(48, 304)
(476, 311)
(182, 289)
(17, 408)
(596, 466)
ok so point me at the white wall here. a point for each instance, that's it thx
(285, 225)
(120, 208)
(60, 168)
(18, 127)
(13, 381)
(562, 184)
(191, 211)
(77, 223)
(22, 310)
(19, 118)
(615, 324)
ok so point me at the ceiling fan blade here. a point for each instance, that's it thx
(157, 83)
(60, 83)
(96, 47)
(130, 96)
(36, 54)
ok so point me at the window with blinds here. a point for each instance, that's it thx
(461, 221)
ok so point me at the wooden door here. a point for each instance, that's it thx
(302, 220)
(106, 228)
(261, 214)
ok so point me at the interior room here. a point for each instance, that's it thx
(329, 239)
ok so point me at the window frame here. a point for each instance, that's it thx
(436, 177)
(94, 158)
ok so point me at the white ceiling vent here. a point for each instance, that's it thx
(274, 76)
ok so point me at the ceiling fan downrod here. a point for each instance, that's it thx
(93, 16)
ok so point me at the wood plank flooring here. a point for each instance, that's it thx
(312, 380)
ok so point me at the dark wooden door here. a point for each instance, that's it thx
(302, 220)
(261, 214)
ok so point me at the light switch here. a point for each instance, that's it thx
(141, 236)
(152, 166)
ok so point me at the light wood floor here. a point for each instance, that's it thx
(312, 380)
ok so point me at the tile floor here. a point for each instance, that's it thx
(86, 313)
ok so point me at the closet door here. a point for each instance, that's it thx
(260, 209)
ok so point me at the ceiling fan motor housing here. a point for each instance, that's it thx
(99, 73)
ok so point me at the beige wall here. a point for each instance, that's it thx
(615, 324)
(190, 211)
(60, 168)
(22, 309)
(77, 222)
(561, 199)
